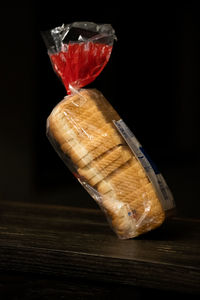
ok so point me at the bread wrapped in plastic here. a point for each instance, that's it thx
(107, 159)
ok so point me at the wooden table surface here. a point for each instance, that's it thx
(48, 240)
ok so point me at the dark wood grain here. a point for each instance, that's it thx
(54, 287)
(78, 243)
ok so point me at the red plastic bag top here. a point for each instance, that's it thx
(79, 51)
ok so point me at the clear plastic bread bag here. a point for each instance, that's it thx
(92, 139)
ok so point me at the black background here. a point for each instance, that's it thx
(152, 79)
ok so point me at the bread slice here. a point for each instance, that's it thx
(100, 168)
(124, 180)
(66, 125)
(102, 140)
(93, 137)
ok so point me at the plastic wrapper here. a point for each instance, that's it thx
(94, 142)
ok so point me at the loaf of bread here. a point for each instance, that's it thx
(82, 127)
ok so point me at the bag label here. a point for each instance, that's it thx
(164, 194)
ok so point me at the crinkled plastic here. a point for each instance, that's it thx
(79, 51)
(94, 142)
